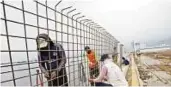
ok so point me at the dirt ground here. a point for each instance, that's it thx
(165, 53)
(165, 59)
(154, 68)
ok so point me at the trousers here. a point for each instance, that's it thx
(102, 84)
(60, 80)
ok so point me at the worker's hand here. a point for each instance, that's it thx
(53, 75)
(90, 80)
(46, 74)
(105, 78)
(92, 65)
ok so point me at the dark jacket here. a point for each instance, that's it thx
(53, 59)
(125, 61)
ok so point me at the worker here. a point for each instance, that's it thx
(52, 59)
(92, 62)
(115, 55)
(125, 61)
(110, 74)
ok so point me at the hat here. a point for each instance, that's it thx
(86, 48)
(43, 40)
(104, 56)
(45, 36)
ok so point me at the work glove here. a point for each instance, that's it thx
(46, 74)
(53, 75)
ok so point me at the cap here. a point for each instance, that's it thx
(87, 47)
(104, 56)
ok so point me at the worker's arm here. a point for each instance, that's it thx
(41, 64)
(102, 75)
(63, 58)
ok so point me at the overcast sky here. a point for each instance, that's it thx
(127, 20)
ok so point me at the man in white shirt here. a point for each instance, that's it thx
(110, 74)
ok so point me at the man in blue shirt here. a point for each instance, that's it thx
(52, 60)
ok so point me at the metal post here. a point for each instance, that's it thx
(25, 34)
(73, 41)
(56, 18)
(8, 42)
(121, 55)
(68, 41)
(56, 27)
(62, 31)
(81, 63)
(62, 22)
(77, 37)
(38, 30)
(85, 41)
(47, 22)
(89, 44)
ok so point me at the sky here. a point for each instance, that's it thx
(128, 20)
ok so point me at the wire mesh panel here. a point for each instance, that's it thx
(23, 23)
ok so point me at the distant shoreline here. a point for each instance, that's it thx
(18, 62)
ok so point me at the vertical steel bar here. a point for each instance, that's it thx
(37, 12)
(81, 54)
(82, 47)
(77, 46)
(25, 33)
(68, 48)
(62, 35)
(85, 62)
(121, 54)
(68, 42)
(56, 34)
(86, 55)
(8, 42)
(73, 48)
(62, 31)
(92, 27)
(95, 42)
(48, 40)
(73, 42)
(87, 43)
(84, 38)
(77, 40)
